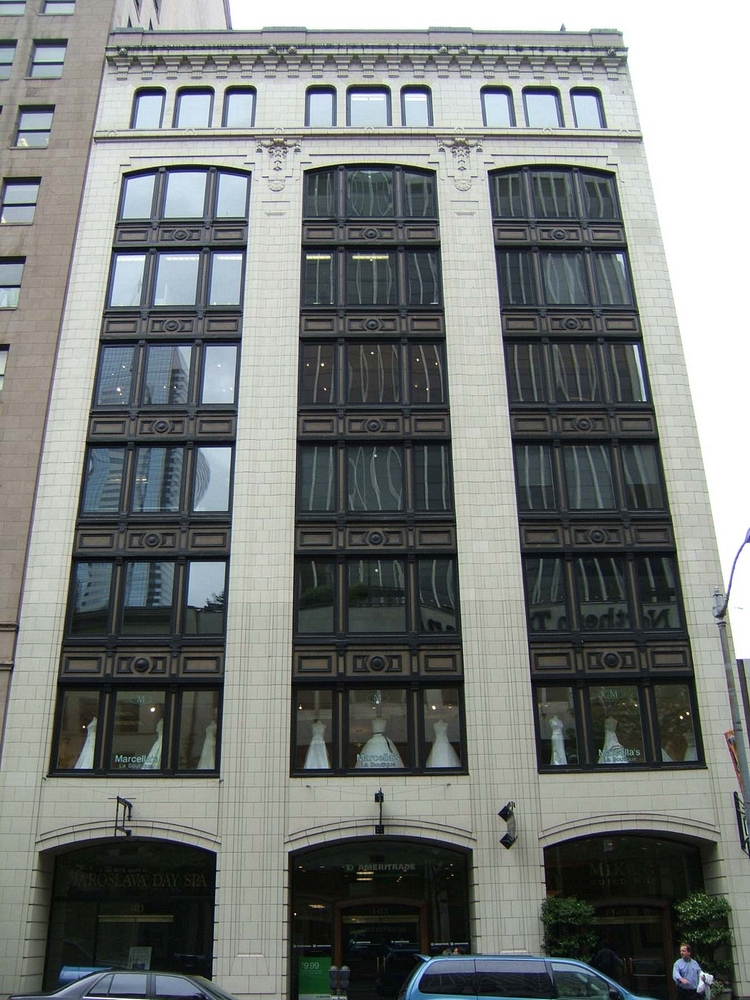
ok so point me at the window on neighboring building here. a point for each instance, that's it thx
(416, 106)
(7, 52)
(368, 106)
(587, 109)
(193, 108)
(148, 109)
(11, 272)
(12, 6)
(320, 107)
(34, 127)
(542, 108)
(59, 7)
(239, 108)
(47, 60)
(497, 107)
(4, 351)
(19, 198)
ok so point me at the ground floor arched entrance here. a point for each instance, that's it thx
(632, 882)
(131, 904)
(372, 905)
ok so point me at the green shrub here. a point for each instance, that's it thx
(703, 922)
(568, 928)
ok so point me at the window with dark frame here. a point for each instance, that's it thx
(497, 108)
(47, 59)
(148, 109)
(359, 603)
(33, 127)
(588, 111)
(149, 607)
(320, 107)
(542, 108)
(12, 7)
(193, 107)
(368, 106)
(239, 107)
(416, 107)
(4, 352)
(18, 201)
(11, 273)
(602, 596)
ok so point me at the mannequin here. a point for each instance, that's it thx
(613, 752)
(86, 756)
(153, 758)
(316, 758)
(442, 753)
(207, 759)
(379, 751)
(559, 757)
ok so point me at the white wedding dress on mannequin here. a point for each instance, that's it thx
(316, 758)
(86, 756)
(442, 753)
(379, 751)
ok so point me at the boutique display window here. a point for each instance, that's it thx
(617, 724)
(387, 728)
(556, 725)
(147, 729)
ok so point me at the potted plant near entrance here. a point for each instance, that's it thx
(703, 922)
(568, 927)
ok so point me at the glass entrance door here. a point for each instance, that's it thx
(378, 943)
(641, 935)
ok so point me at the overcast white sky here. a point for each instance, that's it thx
(688, 64)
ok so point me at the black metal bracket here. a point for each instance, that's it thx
(508, 814)
(127, 815)
(380, 799)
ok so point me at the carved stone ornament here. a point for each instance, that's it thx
(460, 161)
(277, 149)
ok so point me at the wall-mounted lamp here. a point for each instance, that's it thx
(507, 813)
(380, 799)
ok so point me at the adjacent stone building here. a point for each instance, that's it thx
(371, 507)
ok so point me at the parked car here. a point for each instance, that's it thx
(133, 985)
(509, 977)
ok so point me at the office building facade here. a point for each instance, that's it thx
(370, 507)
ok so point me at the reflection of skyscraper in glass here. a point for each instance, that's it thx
(167, 375)
(158, 480)
(202, 478)
(149, 584)
(103, 480)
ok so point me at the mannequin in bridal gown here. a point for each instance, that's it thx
(153, 758)
(379, 751)
(316, 758)
(86, 756)
(442, 753)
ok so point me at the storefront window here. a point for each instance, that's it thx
(557, 726)
(137, 739)
(78, 730)
(617, 724)
(676, 721)
(378, 730)
(199, 711)
(442, 727)
(313, 730)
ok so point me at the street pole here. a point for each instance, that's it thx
(740, 745)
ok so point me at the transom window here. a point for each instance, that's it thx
(148, 109)
(34, 127)
(370, 193)
(185, 194)
(143, 730)
(47, 60)
(320, 107)
(193, 108)
(166, 375)
(368, 728)
(368, 106)
(19, 200)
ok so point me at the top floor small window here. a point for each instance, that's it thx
(369, 106)
(542, 108)
(416, 107)
(47, 60)
(59, 7)
(320, 107)
(497, 108)
(193, 108)
(587, 109)
(148, 109)
(239, 108)
(12, 6)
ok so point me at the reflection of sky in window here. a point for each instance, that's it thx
(206, 582)
(212, 467)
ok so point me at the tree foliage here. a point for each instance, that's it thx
(568, 927)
